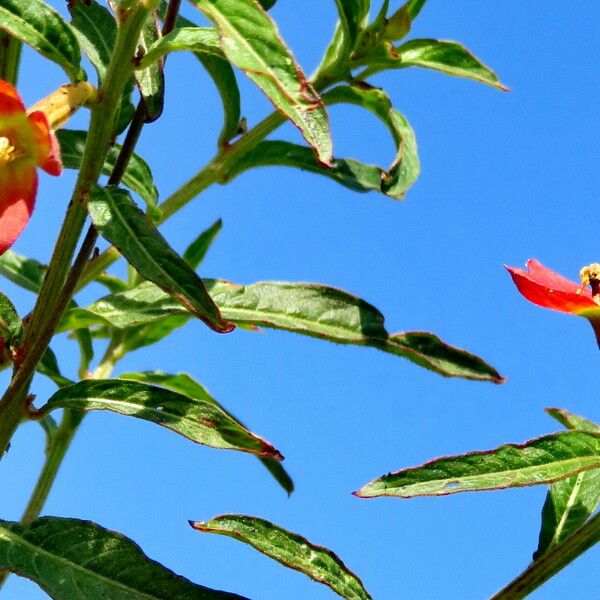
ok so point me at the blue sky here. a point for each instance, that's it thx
(505, 177)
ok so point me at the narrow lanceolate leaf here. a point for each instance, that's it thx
(404, 171)
(96, 31)
(570, 501)
(350, 173)
(353, 18)
(447, 57)
(251, 42)
(11, 327)
(310, 309)
(119, 221)
(568, 505)
(221, 72)
(188, 386)
(289, 549)
(197, 250)
(413, 7)
(150, 80)
(204, 40)
(73, 559)
(137, 176)
(48, 366)
(42, 28)
(571, 420)
(201, 421)
(24, 272)
(542, 460)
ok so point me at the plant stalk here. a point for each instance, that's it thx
(552, 561)
(44, 321)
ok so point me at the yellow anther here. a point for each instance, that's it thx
(7, 151)
(590, 275)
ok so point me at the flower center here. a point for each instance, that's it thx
(8, 152)
(590, 275)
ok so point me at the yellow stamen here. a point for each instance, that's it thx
(590, 275)
(7, 151)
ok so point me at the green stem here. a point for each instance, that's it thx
(59, 445)
(44, 321)
(552, 561)
(60, 440)
(217, 169)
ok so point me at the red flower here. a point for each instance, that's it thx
(26, 142)
(550, 290)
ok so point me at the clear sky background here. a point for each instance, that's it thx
(505, 177)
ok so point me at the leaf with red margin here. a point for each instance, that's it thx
(200, 420)
(70, 558)
(570, 501)
(119, 221)
(539, 461)
(310, 309)
(251, 41)
(289, 549)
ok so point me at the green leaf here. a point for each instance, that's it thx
(96, 30)
(197, 250)
(447, 57)
(137, 175)
(83, 337)
(200, 421)
(568, 505)
(112, 283)
(267, 4)
(251, 41)
(310, 309)
(150, 79)
(350, 173)
(542, 460)
(353, 18)
(42, 28)
(48, 366)
(11, 327)
(414, 7)
(405, 169)
(570, 501)
(201, 40)
(571, 420)
(188, 386)
(119, 221)
(289, 549)
(150, 333)
(24, 272)
(221, 72)
(69, 559)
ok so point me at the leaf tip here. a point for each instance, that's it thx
(198, 525)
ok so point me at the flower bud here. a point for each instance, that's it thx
(60, 105)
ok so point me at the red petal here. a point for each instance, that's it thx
(545, 276)
(549, 297)
(18, 187)
(46, 149)
(10, 101)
